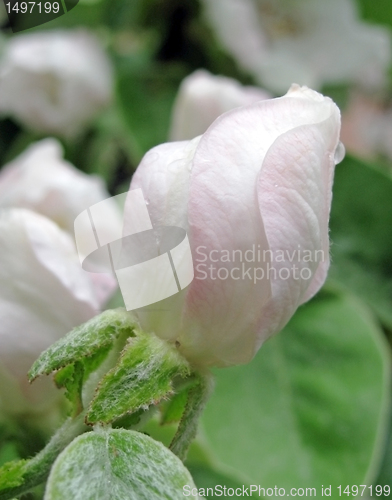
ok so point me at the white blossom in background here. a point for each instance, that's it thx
(44, 293)
(55, 81)
(41, 180)
(367, 127)
(312, 42)
(203, 97)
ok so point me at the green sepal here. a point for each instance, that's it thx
(89, 343)
(71, 378)
(143, 376)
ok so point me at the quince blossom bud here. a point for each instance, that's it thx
(203, 97)
(55, 81)
(254, 195)
(44, 293)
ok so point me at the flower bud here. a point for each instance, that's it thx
(41, 180)
(54, 82)
(44, 293)
(254, 195)
(203, 97)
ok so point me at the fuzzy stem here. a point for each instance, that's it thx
(187, 428)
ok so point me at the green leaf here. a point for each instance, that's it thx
(142, 376)
(372, 287)
(124, 14)
(11, 475)
(95, 337)
(312, 407)
(361, 234)
(117, 464)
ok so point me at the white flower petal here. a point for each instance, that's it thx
(44, 293)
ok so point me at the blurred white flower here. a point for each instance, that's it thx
(44, 293)
(312, 42)
(367, 127)
(54, 82)
(203, 97)
(41, 180)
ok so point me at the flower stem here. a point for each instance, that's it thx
(187, 428)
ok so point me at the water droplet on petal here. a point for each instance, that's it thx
(340, 152)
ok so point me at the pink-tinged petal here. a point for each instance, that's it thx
(221, 315)
(294, 190)
(44, 293)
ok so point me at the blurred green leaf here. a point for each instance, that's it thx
(89, 15)
(370, 286)
(378, 12)
(8, 452)
(361, 219)
(361, 234)
(117, 464)
(312, 407)
(123, 13)
(145, 95)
